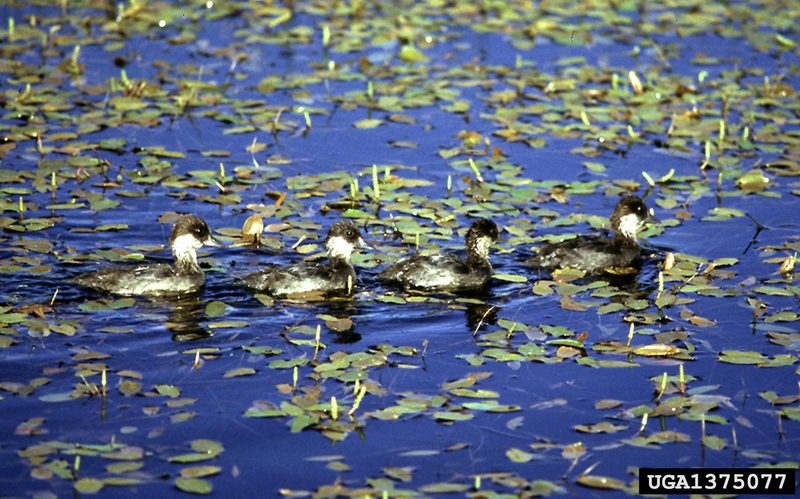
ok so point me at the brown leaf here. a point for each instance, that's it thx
(340, 325)
(656, 350)
(6, 148)
(566, 352)
(702, 321)
(568, 303)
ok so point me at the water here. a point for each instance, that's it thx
(519, 417)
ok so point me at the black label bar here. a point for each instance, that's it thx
(717, 481)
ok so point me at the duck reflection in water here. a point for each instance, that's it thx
(186, 318)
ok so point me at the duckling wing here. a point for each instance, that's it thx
(259, 280)
(436, 272)
(553, 255)
(585, 253)
(300, 278)
(139, 280)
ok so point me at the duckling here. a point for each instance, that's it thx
(159, 279)
(447, 271)
(335, 276)
(596, 254)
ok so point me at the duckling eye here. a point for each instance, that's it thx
(350, 233)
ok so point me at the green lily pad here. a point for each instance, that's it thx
(216, 309)
(714, 442)
(194, 485)
(88, 486)
(368, 123)
(199, 471)
(452, 416)
(168, 390)
(754, 180)
(241, 371)
(519, 456)
(409, 53)
(742, 357)
(600, 482)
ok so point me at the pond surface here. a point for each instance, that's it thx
(413, 119)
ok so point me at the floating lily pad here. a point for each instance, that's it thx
(241, 371)
(194, 485)
(519, 456)
(600, 482)
(368, 123)
(168, 390)
(216, 309)
(88, 486)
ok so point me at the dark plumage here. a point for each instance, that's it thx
(159, 279)
(446, 271)
(596, 254)
(335, 276)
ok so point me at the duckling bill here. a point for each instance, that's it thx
(184, 276)
(447, 271)
(595, 254)
(337, 276)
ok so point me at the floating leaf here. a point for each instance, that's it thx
(262, 350)
(607, 404)
(263, 413)
(452, 416)
(701, 321)
(784, 316)
(88, 486)
(128, 388)
(573, 452)
(216, 309)
(519, 456)
(773, 290)
(211, 447)
(600, 482)
(191, 458)
(714, 442)
(340, 325)
(115, 144)
(784, 41)
(124, 467)
(303, 421)
(241, 371)
(604, 427)
(466, 392)
(409, 53)
(754, 180)
(742, 357)
(567, 343)
(122, 303)
(368, 123)
(168, 390)
(656, 350)
(194, 485)
(444, 488)
(403, 474)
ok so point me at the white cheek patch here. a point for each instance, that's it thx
(185, 243)
(482, 246)
(629, 225)
(339, 247)
(183, 248)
